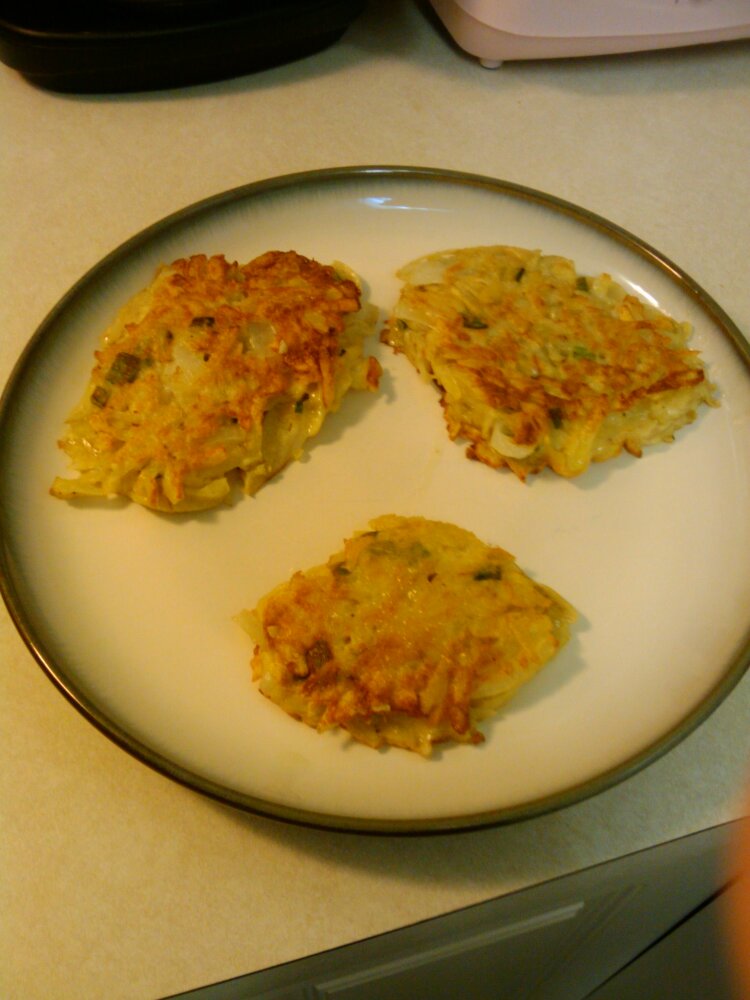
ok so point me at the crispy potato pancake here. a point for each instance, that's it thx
(540, 366)
(410, 636)
(214, 368)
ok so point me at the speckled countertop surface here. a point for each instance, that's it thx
(117, 882)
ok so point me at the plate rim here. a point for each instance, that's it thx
(45, 658)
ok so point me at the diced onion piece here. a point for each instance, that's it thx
(428, 271)
(258, 337)
(507, 446)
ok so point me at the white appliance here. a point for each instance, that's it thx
(499, 30)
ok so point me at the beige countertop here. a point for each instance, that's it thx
(117, 882)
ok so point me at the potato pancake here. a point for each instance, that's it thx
(410, 636)
(540, 366)
(216, 369)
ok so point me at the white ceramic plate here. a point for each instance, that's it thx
(131, 613)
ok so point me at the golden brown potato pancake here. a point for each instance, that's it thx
(410, 636)
(215, 369)
(539, 366)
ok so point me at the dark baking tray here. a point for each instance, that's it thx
(135, 45)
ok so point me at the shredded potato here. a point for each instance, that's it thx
(410, 636)
(216, 370)
(539, 366)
